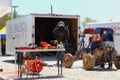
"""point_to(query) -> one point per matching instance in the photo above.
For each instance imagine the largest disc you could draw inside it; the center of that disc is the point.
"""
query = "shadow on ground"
(1, 78)
(9, 61)
(44, 58)
(42, 77)
(101, 70)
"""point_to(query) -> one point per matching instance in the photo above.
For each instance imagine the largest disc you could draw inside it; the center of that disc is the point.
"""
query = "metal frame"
(21, 52)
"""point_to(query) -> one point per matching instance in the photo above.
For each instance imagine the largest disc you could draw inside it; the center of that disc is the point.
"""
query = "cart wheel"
(117, 61)
(88, 61)
(68, 60)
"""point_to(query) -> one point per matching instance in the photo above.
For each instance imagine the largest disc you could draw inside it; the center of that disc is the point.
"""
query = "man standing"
(107, 55)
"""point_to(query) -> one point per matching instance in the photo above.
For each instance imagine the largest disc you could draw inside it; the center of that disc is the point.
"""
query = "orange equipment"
(34, 65)
(96, 37)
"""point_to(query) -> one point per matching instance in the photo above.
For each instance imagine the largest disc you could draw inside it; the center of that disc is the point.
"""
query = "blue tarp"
(2, 35)
(98, 31)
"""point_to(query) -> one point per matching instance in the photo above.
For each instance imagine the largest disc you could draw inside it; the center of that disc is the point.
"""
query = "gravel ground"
(50, 73)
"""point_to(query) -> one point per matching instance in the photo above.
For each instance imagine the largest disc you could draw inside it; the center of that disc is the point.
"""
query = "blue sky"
(100, 10)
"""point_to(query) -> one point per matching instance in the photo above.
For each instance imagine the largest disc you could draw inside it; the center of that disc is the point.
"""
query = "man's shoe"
(103, 67)
(109, 68)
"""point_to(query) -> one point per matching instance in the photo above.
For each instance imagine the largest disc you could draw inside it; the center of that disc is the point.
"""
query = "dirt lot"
(50, 73)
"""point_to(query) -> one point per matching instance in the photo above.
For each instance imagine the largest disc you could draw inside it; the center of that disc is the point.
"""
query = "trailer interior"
(44, 31)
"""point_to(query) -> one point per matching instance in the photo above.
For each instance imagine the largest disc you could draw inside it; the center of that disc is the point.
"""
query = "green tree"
(86, 20)
(4, 19)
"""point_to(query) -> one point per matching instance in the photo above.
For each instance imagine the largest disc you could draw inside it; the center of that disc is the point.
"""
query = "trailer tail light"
(78, 35)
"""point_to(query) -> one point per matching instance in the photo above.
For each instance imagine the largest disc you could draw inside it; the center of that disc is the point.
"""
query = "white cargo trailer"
(30, 29)
(115, 25)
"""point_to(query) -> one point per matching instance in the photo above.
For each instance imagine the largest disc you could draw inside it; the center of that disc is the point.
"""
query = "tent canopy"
(3, 32)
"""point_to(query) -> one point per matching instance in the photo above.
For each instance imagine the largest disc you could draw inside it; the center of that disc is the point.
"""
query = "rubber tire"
(68, 60)
(117, 61)
(88, 61)
(117, 66)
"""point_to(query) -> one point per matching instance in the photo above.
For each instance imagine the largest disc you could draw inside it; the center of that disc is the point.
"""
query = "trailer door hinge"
(33, 26)
(32, 35)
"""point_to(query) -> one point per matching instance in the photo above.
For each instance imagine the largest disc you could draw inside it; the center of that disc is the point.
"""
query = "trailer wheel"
(88, 61)
(68, 60)
(117, 61)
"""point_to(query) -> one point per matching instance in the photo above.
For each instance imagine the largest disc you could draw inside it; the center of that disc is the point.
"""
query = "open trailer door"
(44, 29)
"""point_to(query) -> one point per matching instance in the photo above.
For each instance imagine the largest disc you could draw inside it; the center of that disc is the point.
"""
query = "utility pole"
(51, 9)
(15, 13)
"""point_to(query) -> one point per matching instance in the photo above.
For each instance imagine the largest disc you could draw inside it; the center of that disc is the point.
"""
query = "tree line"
(4, 19)
(7, 17)
(86, 20)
